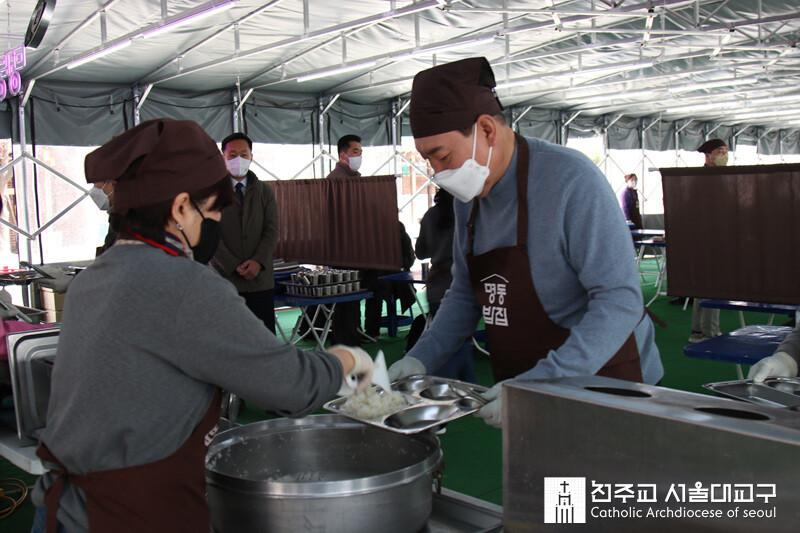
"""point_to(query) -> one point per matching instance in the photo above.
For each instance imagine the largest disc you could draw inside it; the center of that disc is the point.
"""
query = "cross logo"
(564, 500)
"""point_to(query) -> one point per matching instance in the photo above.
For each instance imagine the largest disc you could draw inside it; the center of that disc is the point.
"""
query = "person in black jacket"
(384, 290)
(436, 241)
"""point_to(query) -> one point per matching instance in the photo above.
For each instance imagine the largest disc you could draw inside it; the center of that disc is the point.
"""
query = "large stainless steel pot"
(319, 473)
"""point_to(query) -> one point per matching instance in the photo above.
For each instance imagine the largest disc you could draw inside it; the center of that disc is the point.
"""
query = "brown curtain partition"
(348, 222)
(732, 232)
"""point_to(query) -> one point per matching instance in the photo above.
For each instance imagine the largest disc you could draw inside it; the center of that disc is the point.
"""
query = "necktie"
(240, 192)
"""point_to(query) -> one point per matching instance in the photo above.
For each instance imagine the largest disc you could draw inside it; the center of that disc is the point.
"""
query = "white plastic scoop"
(380, 376)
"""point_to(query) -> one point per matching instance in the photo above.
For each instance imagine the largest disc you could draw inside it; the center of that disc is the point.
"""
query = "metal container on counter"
(676, 452)
(320, 473)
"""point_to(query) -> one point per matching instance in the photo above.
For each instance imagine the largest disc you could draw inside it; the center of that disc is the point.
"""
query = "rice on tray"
(373, 405)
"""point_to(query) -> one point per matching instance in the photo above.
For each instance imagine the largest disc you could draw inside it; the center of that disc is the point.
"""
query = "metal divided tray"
(774, 392)
(431, 402)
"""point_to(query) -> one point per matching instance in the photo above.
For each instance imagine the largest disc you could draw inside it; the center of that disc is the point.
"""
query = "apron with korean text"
(165, 495)
(520, 333)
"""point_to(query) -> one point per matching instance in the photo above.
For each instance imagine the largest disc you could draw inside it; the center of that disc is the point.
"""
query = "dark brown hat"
(711, 145)
(176, 156)
(452, 96)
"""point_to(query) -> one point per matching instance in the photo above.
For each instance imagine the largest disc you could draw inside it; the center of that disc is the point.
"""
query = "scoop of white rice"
(373, 405)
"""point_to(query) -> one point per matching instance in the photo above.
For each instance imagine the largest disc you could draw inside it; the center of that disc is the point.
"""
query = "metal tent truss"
(721, 63)
(631, 57)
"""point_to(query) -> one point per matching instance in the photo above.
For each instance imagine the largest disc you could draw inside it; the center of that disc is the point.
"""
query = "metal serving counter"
(456, 512)
(623, 456)
(23, 457)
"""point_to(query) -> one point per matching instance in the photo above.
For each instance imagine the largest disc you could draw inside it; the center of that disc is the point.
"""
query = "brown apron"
(165, 495)
(519, 331)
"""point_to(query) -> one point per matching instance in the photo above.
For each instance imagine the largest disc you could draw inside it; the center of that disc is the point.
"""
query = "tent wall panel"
(624, 134)
(77, 114)
(88, 114)
(542, 123)
(729, 232)
(370, 122)
(691, 137)
(660, 137)
(349, 222)
(790, 144)
(769, 143)
(279, 118)
(583, 127)
(749, 136)
(213, 111)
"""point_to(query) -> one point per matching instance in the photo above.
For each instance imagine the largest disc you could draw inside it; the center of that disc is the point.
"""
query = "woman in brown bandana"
(149, 338)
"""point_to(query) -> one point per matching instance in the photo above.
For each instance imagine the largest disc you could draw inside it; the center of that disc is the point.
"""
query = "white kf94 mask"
(238, 166)
(354, 163)
(467, 181)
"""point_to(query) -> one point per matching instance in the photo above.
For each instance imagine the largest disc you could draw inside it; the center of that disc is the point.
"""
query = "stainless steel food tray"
(774, 392)
(30, 358)
(322, 291)
(431, 402)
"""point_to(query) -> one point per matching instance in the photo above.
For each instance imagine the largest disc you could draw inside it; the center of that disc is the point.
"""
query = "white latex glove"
(492, 412)
(407, 366)
(60, 280)
(360, 378)
(778, 365)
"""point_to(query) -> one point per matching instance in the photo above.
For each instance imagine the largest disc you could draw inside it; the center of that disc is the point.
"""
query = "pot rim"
(329, 489)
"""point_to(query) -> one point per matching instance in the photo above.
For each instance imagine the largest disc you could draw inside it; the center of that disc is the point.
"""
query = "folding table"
(325, 305)
(744, 346)
(661, 262)
(735, 305)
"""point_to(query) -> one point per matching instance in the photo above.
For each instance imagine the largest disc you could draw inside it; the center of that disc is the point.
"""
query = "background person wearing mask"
(629, 199)
(249, 229)
(347, 317)
(541, 249)
(102, 194)
(716, 153)
(705, 322)
(150, 336)
(349, 148)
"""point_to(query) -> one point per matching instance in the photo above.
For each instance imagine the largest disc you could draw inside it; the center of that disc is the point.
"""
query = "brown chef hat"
(711, 145)
(176, 156)
(452, 96)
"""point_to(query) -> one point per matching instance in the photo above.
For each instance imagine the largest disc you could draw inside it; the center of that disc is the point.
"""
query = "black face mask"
(206, 247)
